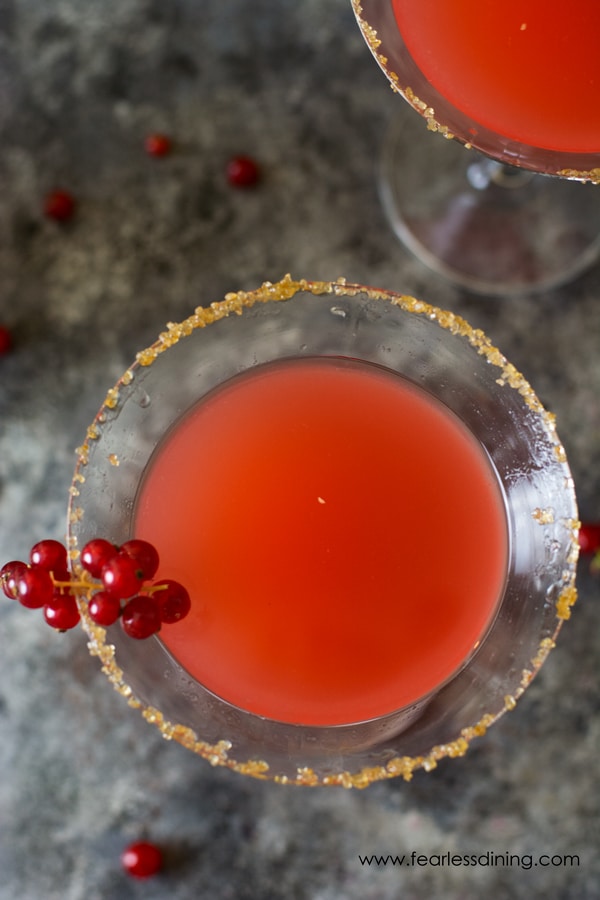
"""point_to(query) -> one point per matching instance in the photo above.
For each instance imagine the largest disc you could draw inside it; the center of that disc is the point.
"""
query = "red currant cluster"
(127, 592)
(44, 583)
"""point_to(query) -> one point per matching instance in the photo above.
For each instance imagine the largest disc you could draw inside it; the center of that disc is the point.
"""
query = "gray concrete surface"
(293, 85)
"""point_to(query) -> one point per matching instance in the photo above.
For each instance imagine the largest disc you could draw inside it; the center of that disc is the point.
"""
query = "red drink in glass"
(525, 69)
(342, 534)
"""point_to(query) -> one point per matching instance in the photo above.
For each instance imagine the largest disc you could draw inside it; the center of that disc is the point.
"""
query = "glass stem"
(484, 172)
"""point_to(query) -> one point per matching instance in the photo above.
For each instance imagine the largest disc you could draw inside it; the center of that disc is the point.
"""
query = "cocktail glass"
(484, 219)
(436, 352)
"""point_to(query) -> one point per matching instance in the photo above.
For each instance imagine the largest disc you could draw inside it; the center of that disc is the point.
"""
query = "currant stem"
(80, 583)
(153, 588)
(89, 584)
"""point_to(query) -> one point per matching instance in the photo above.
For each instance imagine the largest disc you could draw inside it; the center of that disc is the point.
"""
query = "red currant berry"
(104, 608)
(173, 601)
(589, 537)
(5, 340)
(158, 145)
(95, 555)
(49, 555)
(242, 171)
(62, 612)
(59, 205)
(9, 576)
(141, 617)
(144, 554)
(34, 588)
(142, 859)
(121, 576)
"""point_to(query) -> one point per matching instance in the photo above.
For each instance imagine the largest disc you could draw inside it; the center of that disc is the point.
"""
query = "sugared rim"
(374, 44)
(219, 753)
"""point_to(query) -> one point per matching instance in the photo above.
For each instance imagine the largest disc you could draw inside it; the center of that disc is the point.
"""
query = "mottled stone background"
(293, 85)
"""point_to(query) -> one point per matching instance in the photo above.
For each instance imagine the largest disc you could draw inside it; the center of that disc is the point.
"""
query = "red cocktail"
(528, 70)
(367, 504)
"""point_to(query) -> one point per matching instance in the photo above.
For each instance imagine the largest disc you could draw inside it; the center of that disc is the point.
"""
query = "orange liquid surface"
(526, 69)
(342, 535)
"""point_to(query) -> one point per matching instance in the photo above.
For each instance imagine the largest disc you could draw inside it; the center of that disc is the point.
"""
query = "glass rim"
(234, 304)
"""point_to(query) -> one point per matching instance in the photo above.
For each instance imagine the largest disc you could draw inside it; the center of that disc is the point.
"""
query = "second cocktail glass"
(518, 84)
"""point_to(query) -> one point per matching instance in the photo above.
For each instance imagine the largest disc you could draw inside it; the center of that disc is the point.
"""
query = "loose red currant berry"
(173, 601)
(62, 612)
(144, 554)
(35, 588)
(141, 617)
(589, 537)
(59, 205)
(5, 340)
(104, 608)
(242, 171)
(158, 145)
(96, 554)
(49, 555)
(142, 859)
(9, 576)
(121, 576)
